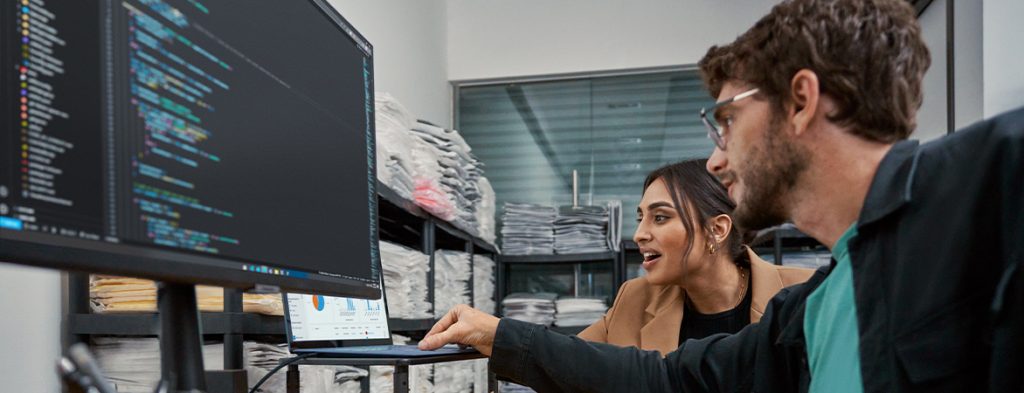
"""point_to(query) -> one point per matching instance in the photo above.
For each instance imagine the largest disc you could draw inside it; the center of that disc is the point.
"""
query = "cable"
(279, 366)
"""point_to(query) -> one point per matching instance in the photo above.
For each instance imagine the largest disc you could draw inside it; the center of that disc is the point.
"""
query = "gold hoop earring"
(711, 249)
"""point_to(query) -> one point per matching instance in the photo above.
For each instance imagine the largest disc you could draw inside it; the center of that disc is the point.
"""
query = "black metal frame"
(782, 238)
(400, 377)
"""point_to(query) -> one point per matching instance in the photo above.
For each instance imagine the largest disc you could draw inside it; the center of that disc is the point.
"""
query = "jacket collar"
(765, 282)
(891, 186)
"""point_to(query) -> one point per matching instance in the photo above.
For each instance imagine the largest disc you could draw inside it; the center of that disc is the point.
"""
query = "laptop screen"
(328, 318)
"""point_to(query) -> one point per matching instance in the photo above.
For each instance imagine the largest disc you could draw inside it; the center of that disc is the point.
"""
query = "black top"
(696, 325)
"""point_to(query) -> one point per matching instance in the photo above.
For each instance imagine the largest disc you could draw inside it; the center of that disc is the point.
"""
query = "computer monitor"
(224, 142)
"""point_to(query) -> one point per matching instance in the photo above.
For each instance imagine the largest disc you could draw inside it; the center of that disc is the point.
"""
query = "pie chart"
(318, 302)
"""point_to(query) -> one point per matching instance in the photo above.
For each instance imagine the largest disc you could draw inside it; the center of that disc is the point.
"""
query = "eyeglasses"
(717, 131)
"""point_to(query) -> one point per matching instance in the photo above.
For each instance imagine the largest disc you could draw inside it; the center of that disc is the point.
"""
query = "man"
(925, 291)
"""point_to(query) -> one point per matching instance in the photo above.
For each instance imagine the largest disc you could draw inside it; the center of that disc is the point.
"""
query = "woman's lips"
(648, 263)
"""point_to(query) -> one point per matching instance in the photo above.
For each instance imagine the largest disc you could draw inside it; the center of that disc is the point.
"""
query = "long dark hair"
(696, 191)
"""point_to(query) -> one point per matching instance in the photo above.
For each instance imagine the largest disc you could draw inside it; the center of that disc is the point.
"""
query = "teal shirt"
(830, 327)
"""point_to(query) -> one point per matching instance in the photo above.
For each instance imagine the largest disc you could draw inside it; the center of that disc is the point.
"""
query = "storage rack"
(503, 264)
(401, 222)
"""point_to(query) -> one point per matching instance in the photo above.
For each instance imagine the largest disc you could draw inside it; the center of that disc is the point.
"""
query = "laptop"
(348, 328)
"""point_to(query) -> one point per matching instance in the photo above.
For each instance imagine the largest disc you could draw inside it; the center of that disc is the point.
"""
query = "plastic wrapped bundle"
(260, 358)
(527, 229)
(485, 212)
(429, 195)
(420, 376)
(394, 144)
(451, 280)
(536, 308)
(480, 375)
(456, 171)
(454, 377)
(132, 364)
(579, 311)
(483, 283)
(405, 280)
(581, 229)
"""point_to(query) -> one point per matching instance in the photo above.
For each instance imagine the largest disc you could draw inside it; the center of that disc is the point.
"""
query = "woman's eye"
(660, 218)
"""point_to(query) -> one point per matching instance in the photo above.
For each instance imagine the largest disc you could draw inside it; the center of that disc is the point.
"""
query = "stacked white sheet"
(394, 167)
(451, 280)
(433, 167)
(260, 358)
(405, 280)
(483, 283)
(536, 308)
(456, 178)
(133, 364)
(581, 229)
(485, 212)
(454, 377)
(420, 376)
(579, 311)
(527, 229)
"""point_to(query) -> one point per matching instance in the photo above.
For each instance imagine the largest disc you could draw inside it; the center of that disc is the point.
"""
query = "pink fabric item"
(431, 198)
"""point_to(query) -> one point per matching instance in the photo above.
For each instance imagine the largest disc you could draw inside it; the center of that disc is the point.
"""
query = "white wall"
(931, 118)
(410, 55)
(488, 39)
(989, 53)
(967, 51)
(30, 338)
(1003, 55)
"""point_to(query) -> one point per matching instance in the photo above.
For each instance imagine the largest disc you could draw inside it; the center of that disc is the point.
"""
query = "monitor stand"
(181, 338)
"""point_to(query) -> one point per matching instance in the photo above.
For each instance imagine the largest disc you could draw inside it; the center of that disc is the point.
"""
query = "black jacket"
(938, 275)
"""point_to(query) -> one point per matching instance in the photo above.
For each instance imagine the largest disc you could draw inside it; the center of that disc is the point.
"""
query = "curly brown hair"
(868, 55)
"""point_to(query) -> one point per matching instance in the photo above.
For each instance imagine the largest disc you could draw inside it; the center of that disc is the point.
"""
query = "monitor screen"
(328, 318)
(228, 142)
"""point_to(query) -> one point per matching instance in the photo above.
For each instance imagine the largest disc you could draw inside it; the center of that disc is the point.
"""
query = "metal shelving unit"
(504, 263)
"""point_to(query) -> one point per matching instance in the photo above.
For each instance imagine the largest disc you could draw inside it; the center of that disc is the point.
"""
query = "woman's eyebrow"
(656, 205)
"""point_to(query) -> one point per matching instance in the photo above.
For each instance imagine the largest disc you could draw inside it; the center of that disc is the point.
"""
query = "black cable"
(280, 366)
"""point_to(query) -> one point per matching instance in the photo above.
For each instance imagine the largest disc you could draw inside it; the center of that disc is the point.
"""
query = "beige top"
(649, 316)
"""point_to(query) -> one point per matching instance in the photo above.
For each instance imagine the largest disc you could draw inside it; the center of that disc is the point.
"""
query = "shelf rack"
(504, 263)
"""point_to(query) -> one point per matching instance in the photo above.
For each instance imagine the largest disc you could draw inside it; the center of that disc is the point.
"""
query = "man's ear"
(804, 96)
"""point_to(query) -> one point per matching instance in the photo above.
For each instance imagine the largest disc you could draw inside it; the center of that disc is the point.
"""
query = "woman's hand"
(463, 325)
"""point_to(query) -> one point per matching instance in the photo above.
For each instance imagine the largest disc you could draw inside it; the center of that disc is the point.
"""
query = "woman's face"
(663, 239)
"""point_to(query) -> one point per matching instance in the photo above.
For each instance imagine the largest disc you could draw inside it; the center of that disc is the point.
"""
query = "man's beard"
(769, 173)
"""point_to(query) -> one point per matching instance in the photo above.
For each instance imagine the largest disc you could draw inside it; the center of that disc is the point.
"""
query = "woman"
(701, 279)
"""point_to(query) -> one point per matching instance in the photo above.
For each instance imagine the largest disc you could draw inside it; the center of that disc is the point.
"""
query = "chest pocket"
(944, 344)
